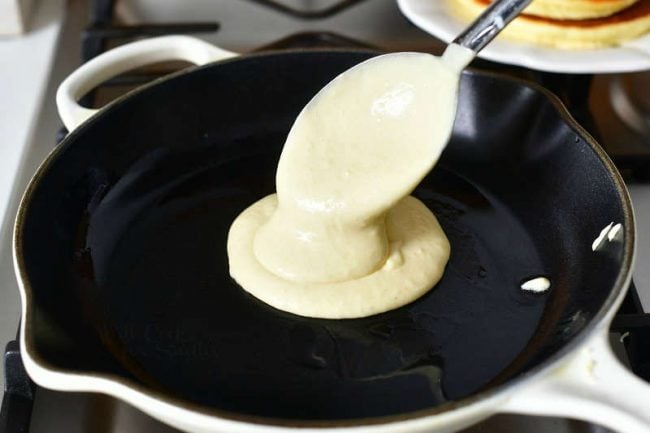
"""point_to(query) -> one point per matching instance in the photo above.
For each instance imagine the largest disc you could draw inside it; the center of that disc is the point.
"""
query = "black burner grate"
(18, 398)
(306, 12)
(102, 28)
(307, 40)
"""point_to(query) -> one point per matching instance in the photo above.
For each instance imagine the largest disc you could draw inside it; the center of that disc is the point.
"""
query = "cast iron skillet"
(121, 247)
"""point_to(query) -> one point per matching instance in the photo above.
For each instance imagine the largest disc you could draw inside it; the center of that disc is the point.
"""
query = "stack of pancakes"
(573, 24)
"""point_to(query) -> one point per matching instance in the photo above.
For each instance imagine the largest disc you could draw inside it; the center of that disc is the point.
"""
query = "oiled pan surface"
(124, 242)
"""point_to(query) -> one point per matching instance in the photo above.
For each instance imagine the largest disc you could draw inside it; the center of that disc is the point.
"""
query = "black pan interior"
(124, 236)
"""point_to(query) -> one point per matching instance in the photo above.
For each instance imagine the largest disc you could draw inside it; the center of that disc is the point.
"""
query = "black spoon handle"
(490, 23)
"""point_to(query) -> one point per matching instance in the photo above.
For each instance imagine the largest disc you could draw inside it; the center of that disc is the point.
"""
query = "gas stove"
(611, 107)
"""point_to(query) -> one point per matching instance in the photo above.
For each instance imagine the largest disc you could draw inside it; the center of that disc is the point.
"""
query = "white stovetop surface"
(34, 64)
(27, 61)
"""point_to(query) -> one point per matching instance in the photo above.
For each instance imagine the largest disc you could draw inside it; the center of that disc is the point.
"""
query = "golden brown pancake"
(629, 23)
(577, 9)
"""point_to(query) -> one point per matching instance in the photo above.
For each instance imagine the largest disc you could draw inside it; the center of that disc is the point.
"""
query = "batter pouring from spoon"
(342, 237)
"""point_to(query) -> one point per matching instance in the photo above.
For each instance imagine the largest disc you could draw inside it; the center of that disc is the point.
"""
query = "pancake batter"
(342, 238)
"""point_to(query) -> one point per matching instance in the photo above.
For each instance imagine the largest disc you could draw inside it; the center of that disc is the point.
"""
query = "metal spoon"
(490, 23)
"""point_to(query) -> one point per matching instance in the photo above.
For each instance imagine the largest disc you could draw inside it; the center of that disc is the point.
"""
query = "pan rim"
(99, 382)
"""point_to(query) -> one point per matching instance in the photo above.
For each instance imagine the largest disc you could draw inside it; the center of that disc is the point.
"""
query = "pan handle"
(125, 58)
(592, 386)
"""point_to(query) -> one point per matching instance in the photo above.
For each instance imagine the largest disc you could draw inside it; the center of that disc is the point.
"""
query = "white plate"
(435, 17)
